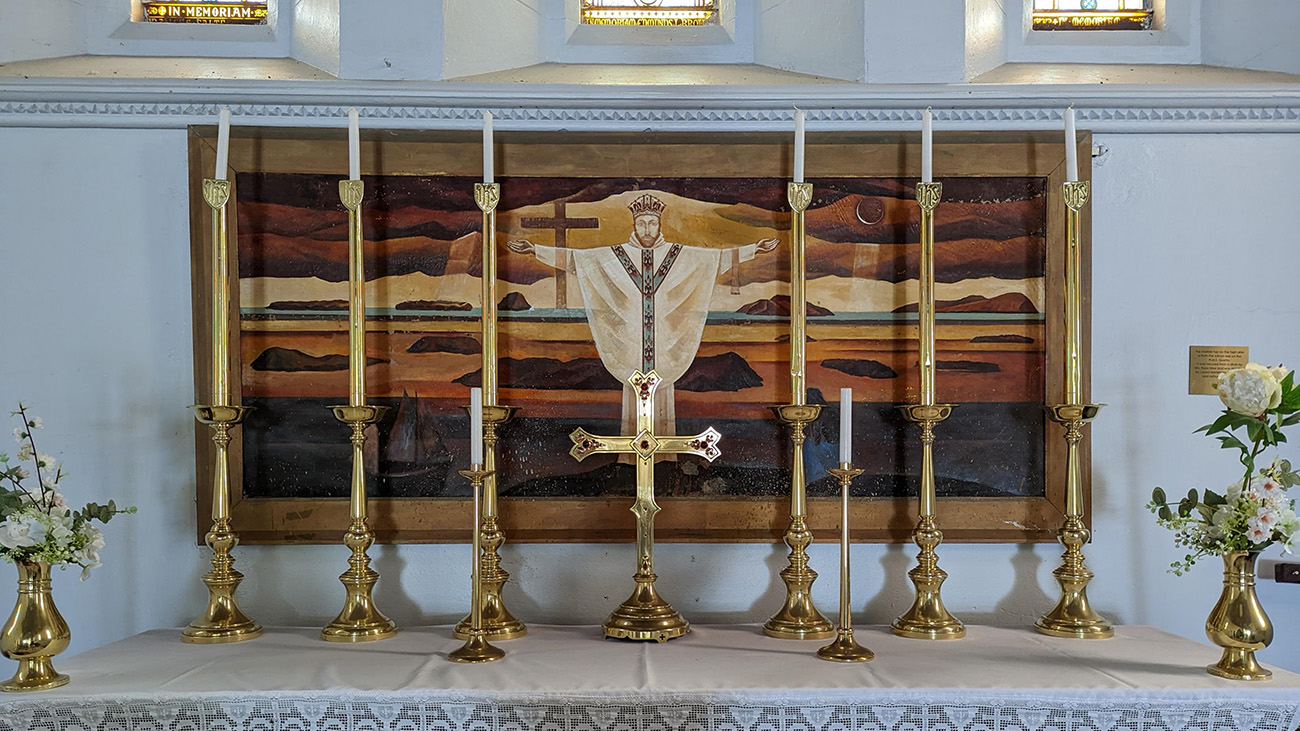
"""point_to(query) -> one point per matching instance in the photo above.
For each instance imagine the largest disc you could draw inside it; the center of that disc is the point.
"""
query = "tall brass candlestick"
(498, 623)
(476, 648)
(1073, 616)
(222, 620)
(798, 618)
(359, 620)
(927, 618)
(844, 648)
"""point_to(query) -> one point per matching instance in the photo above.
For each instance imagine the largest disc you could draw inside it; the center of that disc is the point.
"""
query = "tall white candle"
(476, 427)
(798, 145)
(927, 147)
(1071, 153)
(354, 145)
(846, 425)
(488, 176)
(223, 143)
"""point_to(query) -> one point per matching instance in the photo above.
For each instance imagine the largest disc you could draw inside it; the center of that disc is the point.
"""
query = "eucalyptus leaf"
(1158, 496)
(1165, 513)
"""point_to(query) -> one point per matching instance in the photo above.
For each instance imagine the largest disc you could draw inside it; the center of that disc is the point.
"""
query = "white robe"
(617, 307)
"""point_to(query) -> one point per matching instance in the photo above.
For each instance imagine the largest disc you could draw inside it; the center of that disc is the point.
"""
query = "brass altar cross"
(645, 616)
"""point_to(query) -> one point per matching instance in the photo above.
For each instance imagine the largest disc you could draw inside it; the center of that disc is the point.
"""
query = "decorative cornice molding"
(154, 105)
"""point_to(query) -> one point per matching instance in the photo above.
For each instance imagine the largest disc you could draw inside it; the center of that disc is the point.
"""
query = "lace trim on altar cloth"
(352, 711)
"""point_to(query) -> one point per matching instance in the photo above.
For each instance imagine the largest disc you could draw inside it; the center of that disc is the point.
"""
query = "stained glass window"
(1092, 14)
(649, 12)
(237, 12)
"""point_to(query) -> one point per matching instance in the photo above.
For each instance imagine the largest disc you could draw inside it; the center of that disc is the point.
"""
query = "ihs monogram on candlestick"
(927, 618)
(222, 620)
(1073, 616)
(497, 621)
(359, 620)
(645, 615)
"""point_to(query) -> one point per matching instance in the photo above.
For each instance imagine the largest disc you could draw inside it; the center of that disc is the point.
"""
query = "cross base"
(645, 615)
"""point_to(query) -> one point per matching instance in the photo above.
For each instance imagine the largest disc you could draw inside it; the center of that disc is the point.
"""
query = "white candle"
(223, 143)
(488, 176)
(798, 145)
(1071, 153)
(846, 425)
(927, 144)
(476, 427)
(354, 145)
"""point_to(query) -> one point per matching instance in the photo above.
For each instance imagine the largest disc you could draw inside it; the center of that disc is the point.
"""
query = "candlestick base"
(845, 649)
(1073, 616)
(476, 650)
(222, 621)
(798, 618)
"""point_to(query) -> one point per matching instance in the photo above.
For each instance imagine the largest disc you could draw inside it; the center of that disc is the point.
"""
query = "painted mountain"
(423, 265)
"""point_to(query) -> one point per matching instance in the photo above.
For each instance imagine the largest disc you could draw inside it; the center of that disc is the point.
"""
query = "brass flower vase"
(35, 632)
(1238, 623)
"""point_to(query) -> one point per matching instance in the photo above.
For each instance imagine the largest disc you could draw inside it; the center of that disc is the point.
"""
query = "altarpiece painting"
(572, 318)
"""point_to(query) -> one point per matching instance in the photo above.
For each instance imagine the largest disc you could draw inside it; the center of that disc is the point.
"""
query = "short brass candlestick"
(359, 620)
(798, 618)
(476, 648)
(927, 618)
(1073, 616)
(844, 648)
(498, 622)
(222, 620)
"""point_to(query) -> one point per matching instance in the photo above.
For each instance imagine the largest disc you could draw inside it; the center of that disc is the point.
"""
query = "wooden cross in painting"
(560, 224)
(645, 616)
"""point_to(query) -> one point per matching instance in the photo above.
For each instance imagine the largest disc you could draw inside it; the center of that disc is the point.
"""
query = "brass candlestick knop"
(844, 648)
(798, 618)
(222, 620)
(476, 648)
(928, 619)
(498, 623)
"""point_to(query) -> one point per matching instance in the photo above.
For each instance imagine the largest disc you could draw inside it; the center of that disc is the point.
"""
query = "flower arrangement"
(37, 523)
(1255, 511)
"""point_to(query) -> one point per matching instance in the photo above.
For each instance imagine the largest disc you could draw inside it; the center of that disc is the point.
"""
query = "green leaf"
(1230, 441)
(1291, 420)
(1158, 496)
(1165, 513)
(1214, 499)
(1185, 507)
(1191, 495)
(1255, 430)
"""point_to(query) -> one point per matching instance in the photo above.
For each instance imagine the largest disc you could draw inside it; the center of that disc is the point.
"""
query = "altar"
(718, 678)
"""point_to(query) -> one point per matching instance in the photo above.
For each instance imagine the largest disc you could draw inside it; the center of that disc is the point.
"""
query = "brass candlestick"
(359, 620)
(222, 620)
(844, 648)
(645, 615)
(498, 623)
(476, 648)
(1073, 616)
(927, 618)
(798, 618)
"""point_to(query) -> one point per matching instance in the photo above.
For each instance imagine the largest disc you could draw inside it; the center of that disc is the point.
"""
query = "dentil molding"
(1108, 109)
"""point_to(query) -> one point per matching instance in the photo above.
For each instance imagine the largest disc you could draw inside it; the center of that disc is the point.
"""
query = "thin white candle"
(476, 427)
(488, 176)
(846, 425)
(798, 145)
(1071, 154)
(223, 143)
(354, 145)
(927, 147)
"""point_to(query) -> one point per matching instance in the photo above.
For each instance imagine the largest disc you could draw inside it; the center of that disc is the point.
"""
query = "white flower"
(21, 532)
(46, 462)
(1266, 517)
(1219, 522)
(21, 473)
(88, 556)
(1280, 372)
(25, 452)
(36, 423)
(20, 436)
(1257, 533)
(1266, 488)
(1252, 390)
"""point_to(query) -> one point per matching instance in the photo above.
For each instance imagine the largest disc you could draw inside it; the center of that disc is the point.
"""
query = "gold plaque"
(1206, 362)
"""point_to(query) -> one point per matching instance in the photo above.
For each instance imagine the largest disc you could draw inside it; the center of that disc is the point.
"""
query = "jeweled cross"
(644, 616)
(560, 223)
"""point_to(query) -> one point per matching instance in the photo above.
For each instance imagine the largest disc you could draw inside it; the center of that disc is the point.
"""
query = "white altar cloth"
(718, 678)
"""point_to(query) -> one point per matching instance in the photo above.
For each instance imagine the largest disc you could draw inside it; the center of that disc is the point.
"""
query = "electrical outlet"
(1286, 573)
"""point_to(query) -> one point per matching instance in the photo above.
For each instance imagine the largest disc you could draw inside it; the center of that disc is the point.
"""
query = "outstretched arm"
(548, 255)
(734, 256)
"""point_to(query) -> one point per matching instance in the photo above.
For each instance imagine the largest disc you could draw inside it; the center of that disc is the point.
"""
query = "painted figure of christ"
(647, 300)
